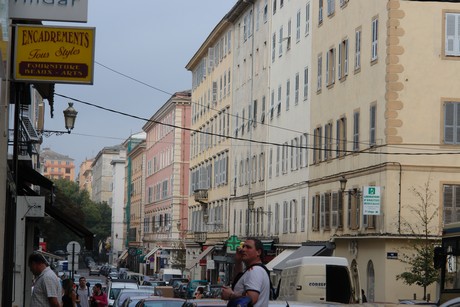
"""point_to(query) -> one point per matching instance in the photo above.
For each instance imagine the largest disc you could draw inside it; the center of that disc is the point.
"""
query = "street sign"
(70, 247)
(232, 244)
(371, 200)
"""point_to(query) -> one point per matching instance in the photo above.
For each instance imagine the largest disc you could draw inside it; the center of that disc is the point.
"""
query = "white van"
(115, 286)
(167, 274)
(320, 279)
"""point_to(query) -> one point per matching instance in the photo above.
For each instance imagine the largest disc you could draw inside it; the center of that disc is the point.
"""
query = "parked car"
(94, 270)
(214, 291)
(180, 291)
(115, 286)
(205, 303)
(125, 293)
(154, 283)
(193, 285)
(156, 301)
(132, 301)
(175, 282)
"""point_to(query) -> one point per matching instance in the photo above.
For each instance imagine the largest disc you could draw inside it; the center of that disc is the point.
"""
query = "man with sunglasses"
(47, 287)
(254, 283)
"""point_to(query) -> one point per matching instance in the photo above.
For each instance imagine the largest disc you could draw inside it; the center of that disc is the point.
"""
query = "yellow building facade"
(383, 115)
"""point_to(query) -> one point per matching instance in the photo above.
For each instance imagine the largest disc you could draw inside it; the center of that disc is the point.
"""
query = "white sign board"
(371, 200)
(73, 246)
(210, 265)
(73, 267)
(54, 10)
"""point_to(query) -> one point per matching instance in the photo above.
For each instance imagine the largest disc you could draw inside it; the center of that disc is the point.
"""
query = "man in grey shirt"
(254, 282)
(47, 286)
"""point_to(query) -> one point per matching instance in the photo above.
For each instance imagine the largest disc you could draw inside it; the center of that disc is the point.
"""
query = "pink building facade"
(167, 184)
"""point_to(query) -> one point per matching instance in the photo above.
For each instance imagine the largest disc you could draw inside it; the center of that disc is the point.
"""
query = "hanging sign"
(54, 54)
(371, 200)
(56, 10)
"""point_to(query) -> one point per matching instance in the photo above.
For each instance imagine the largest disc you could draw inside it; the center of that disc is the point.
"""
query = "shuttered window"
(452, 123)
(375, 30)
(451, 203)
(452, 31)
(356, 131)
(315, 212)
(372, 127)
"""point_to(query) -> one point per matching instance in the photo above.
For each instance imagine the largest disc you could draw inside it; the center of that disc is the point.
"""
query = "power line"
(372, 150)
(247, 121)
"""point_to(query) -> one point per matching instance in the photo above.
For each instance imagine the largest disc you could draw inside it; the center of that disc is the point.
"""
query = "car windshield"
(114, 293)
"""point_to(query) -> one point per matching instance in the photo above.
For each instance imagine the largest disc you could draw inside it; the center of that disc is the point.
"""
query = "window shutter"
(313, 213)
(322, 212)
(335, 210)
(327, 68)
(449, 115)
(448, 200)
(452, 47)
(345, 69)
(339, 66)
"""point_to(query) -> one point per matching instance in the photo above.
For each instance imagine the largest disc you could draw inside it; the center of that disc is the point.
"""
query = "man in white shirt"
(47, 286)
(254, 282)
(82, 293)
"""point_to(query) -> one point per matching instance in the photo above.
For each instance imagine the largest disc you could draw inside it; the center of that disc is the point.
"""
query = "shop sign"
(54, 54)
(55, 10)
(210, 265)
(371, 200)
(232, 244)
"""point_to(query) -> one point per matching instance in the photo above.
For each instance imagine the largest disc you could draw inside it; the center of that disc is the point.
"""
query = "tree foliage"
(76, 204)
(424, 233)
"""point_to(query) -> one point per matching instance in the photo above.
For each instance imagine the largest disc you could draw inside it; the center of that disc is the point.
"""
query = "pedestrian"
(253, 283)
(83, 294)
(69, 298)
(47, 287)
(99, 298)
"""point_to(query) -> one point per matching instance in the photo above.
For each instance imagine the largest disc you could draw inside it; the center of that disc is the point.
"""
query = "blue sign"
(65, 266)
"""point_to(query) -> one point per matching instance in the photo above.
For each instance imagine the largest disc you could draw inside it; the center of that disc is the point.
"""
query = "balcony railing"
(200, 236)
(201, 195)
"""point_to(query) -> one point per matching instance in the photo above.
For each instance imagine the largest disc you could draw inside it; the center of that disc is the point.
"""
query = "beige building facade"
(212, 71)
(383, 115)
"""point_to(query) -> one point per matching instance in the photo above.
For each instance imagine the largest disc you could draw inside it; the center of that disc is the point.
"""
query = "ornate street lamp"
(343, 183)
(70, 115)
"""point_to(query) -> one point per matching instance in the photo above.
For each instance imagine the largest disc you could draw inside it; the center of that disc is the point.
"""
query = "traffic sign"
(73, 246)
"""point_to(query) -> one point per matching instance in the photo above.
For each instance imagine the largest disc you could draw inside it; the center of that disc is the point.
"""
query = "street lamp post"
(70, 115)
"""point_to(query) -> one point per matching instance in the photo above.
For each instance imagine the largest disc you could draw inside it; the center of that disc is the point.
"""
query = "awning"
(149, 254)
(28, 175)
(71, 224)
(283, 255)
(123, 255)
(303, 251)
(201, 256)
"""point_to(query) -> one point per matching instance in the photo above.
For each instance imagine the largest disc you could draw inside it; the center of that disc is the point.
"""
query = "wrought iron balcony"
(200, 236)
(201, 195)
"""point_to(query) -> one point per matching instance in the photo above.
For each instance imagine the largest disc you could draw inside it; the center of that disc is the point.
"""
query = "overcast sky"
(149, 40)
